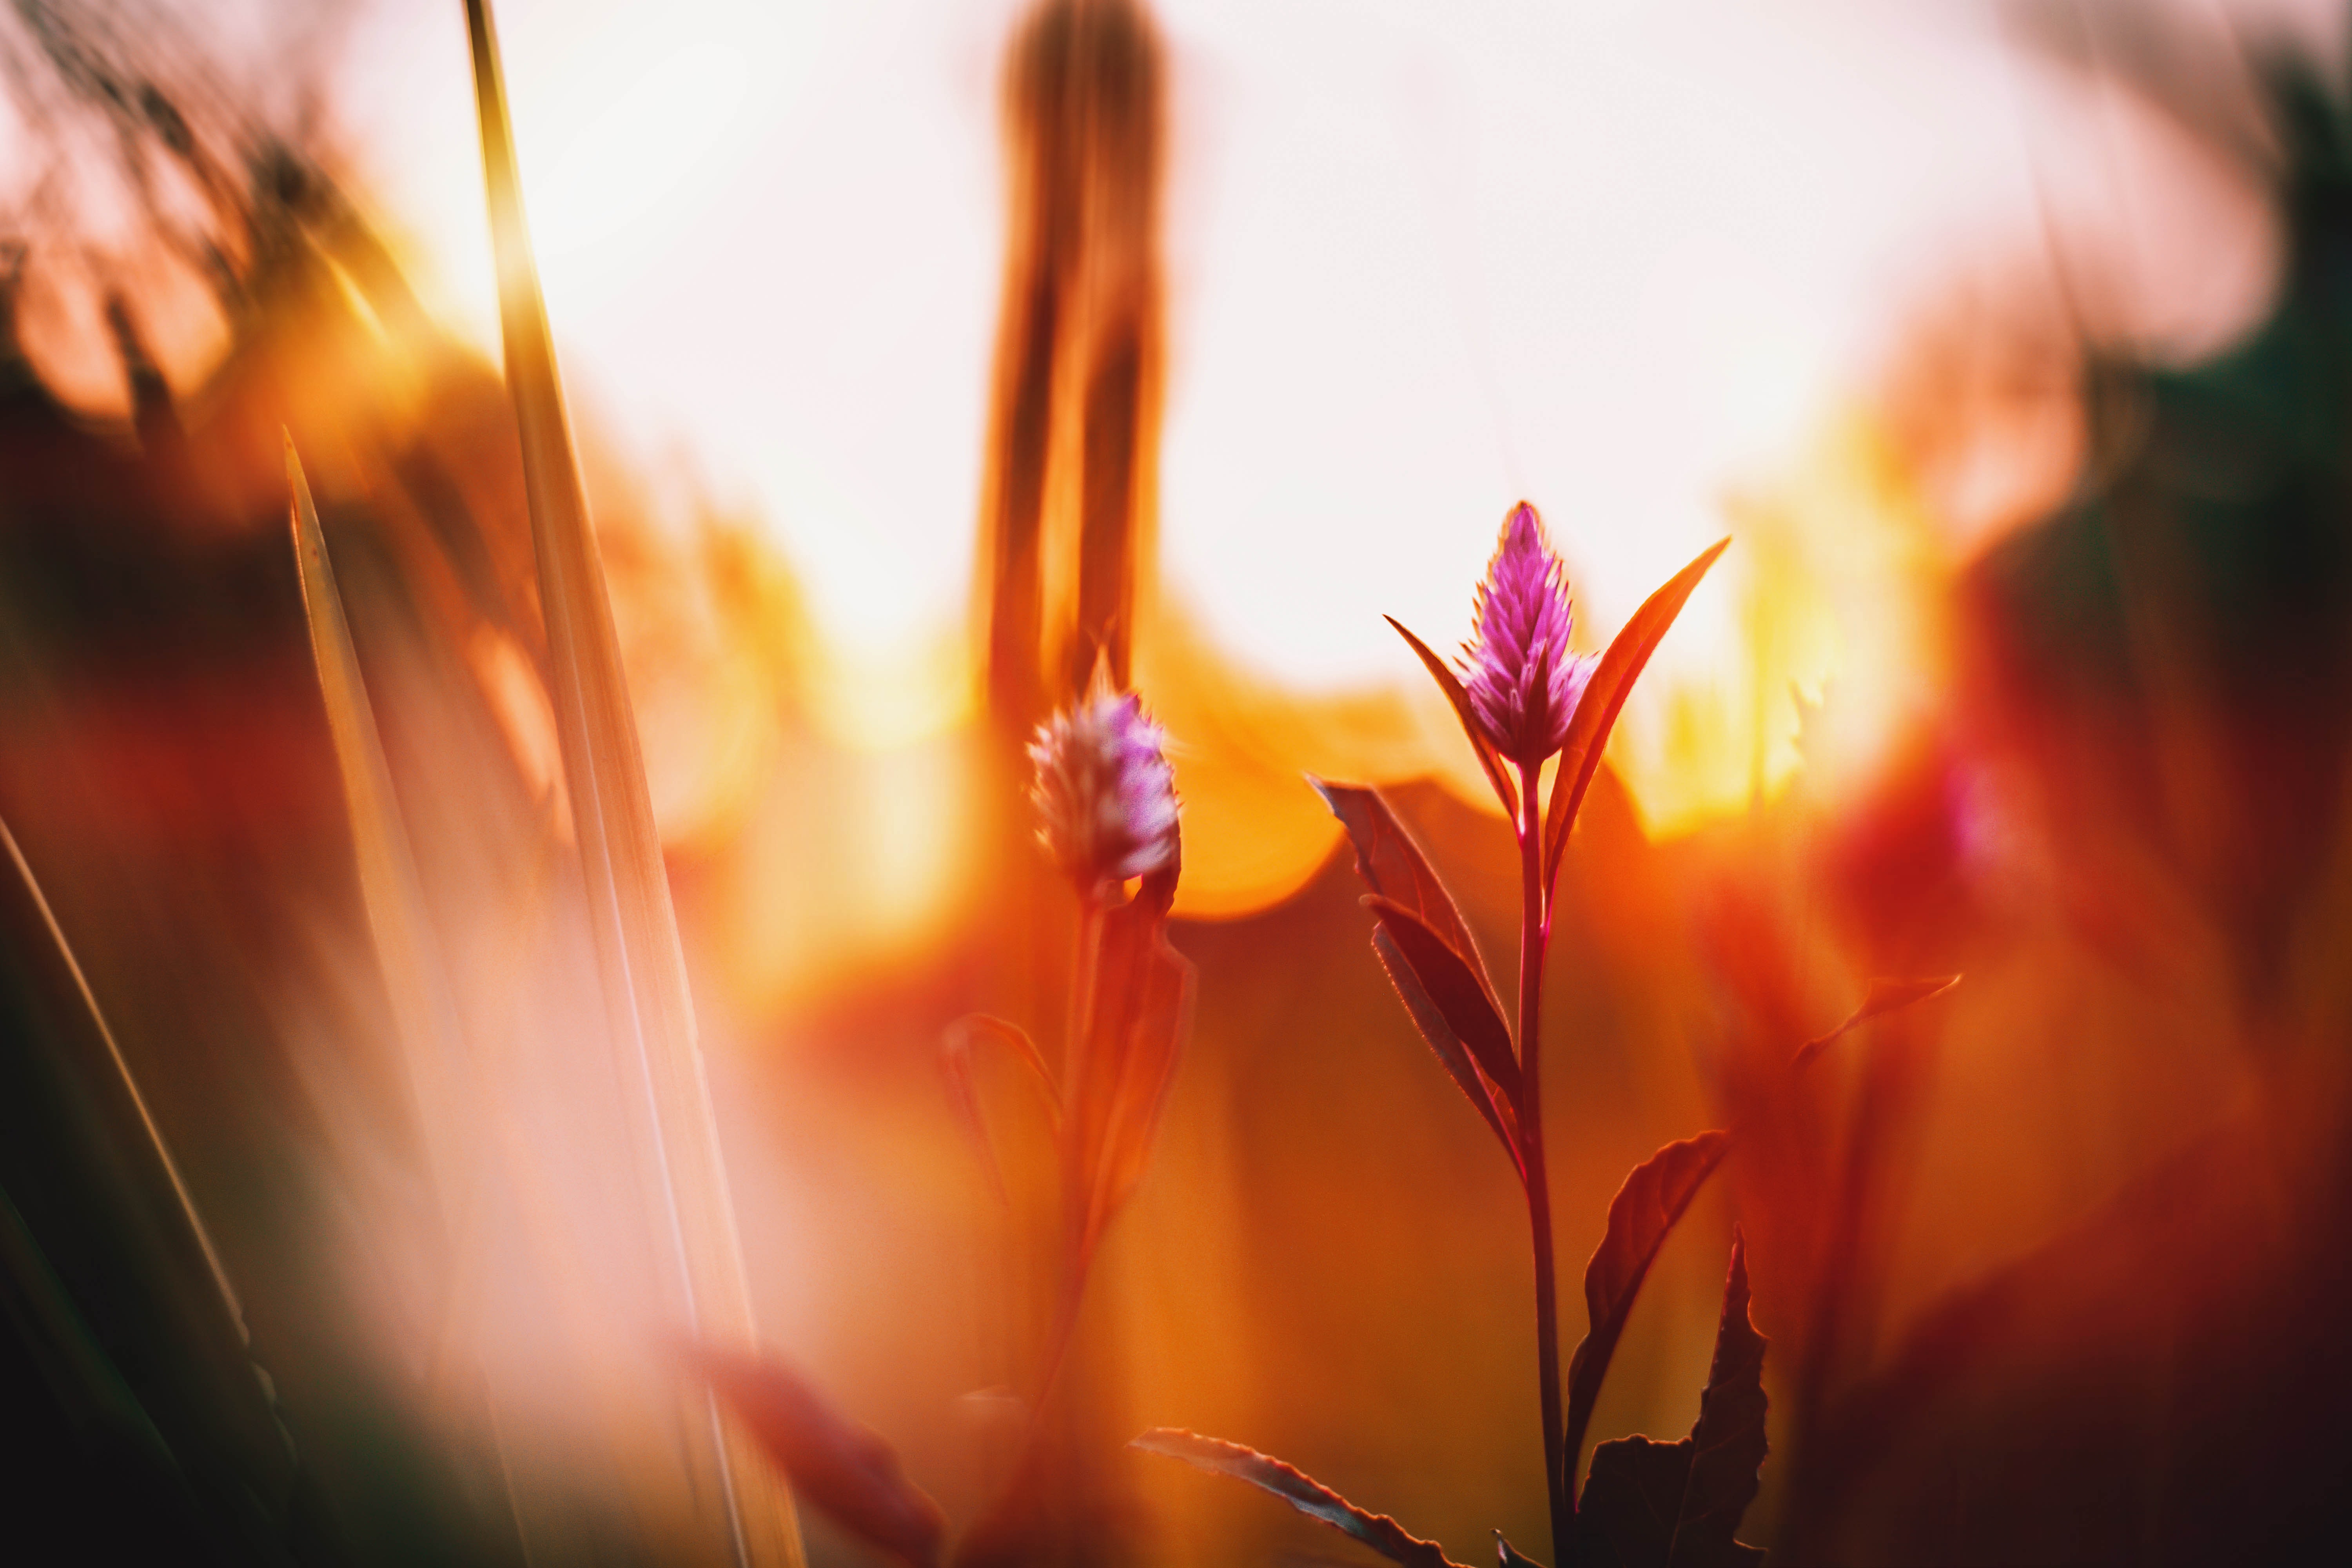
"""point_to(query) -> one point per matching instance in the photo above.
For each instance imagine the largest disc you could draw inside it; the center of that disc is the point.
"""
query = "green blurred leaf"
(108, 1276)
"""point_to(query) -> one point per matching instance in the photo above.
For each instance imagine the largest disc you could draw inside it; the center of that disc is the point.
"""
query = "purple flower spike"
(1523, 621)
(1105, 797)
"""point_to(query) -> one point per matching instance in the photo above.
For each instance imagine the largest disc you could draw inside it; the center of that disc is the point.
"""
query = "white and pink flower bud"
(1105, 795)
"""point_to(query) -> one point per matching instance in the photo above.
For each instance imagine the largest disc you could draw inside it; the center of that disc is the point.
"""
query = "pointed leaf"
(1467, 1006)
(1604, 699)
(1489, 759)
(110, 1289)
(963, 1094)
(1729, 1440)
(1632, 1502)
(1393, 866)
(1883, 996)
(416, 980)
(1301, 1491)
(1678, 1505)
(1143, 999)
(1655, 1196)
(834, 1462)
(1510, 1556)
(1451, 1052)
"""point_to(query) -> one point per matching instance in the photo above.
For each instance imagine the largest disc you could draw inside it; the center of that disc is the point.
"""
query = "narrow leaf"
(110, 1290)
(1393, 866)
(1729, 1440)
(1451, 684)
(1301, 1491)
(424, 1011)
(1655, 1196)
(838, 1465)
(1451, 1052)
(956, 1045)
(1467, 1006)
(1604, 699)
(1143, 999)
(640, 964)
(1883, 996)
(1510, 1556)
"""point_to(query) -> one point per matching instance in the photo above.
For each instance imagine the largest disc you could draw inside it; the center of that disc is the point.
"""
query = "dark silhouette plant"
(1524, 698)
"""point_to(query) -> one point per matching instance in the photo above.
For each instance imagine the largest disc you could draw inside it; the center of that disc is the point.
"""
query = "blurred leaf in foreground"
(836, 1465)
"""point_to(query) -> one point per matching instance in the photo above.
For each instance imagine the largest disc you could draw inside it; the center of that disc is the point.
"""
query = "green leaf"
(1301, 1491)
(1490, 760)
(1393, 866)
(1451, 1052)
(1655, 1196)
(1604, 699)
(1467, 1007)
(1882, 997)
(110, 1282)
(1677, 1505)
(836, 1465)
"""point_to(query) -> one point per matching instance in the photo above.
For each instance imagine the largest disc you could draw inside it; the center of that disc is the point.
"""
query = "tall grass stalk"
(641, 966)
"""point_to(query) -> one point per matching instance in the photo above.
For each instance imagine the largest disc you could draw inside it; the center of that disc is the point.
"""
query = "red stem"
(1535, 933)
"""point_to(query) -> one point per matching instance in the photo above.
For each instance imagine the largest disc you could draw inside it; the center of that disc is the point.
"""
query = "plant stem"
(1085, 974)
(1535, 932)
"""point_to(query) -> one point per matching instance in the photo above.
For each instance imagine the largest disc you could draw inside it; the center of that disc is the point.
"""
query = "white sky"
(1427, 258)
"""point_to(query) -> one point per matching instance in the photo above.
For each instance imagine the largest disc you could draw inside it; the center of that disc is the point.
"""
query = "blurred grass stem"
(640, 963)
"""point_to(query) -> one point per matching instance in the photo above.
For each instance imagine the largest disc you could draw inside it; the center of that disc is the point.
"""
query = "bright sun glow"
(1630, 262)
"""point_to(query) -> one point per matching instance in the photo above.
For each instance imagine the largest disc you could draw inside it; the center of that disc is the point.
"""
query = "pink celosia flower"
(1105, 797)
(1523, 621)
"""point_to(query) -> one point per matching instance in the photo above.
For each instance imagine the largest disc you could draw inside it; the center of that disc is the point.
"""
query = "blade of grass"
(109, 1278)
(416, 980)
(425, 1015)
(642, 969)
